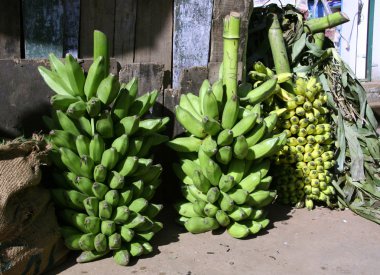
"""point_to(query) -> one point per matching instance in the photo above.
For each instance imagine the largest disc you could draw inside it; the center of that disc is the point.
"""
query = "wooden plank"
(192, 24)
(171, 99)
(71, 18)
(153, 37)
(191, 79)
(95, 15)
(10, 29)
(124, 41)
(221, 9)
(43, 28)
(213, 71)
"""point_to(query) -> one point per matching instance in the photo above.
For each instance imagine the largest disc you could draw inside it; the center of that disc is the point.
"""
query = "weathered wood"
(191, 79)
(10, 29)
(43, 28)
(150, 77)
(153, 37)
(124, 41)
(71, 13)
(95, 15)
(192, 24)
(221, 9)
(171, 99)
(24, 96)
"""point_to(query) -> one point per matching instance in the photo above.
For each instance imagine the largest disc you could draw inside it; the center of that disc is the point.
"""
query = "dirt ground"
(296, 242)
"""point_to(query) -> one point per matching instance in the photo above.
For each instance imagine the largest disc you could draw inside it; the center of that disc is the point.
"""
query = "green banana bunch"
(224, 159)
(102, 136)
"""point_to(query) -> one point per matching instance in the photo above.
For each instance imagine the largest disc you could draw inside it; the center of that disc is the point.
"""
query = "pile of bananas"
(224, 162)
(105, 174)
(302, 175)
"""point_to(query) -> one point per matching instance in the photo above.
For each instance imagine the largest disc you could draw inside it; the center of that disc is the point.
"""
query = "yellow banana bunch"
(224, 158)
(102, 140)
(305, 162)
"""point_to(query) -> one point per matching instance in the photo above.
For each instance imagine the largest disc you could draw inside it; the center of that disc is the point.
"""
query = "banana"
(135, 220)
(85, 126)
(250, 182)
(262, 149)
(91, 204)
(238, 230)
(197, 225)
(121, 257)
(99, 190)
(210, 210)
(58, 67)
(108, 89)
(222, 218)
(82, 144)
(95, 75)
(83, 185)
(132, 87)
(141, 105)
(262, 92)
(239, 196)
(194, 100)
(55, 82)
(72, 241)
(186, 209)
(190, 123)
(135, 249)
(89, 256)
(256, 134)
(200, 181)
(225, 137)
(202, 90)
(224, 155)
(185, 144)
(148, 126)
(210, 105)
(112, 197)
(236, 169)
(240, 147)
(244, 125)
(135, 145)
(230, 112)
(67, 124)
(261, 198)
(125, 197)
(209, 146)
(209, 168)
(121, 144)
(69, 198)
(110, 157)
(198, 207)
(238, 214)
(138, 205)
(75, 75)
(122, 103)
(226, 183)
(218, 91)
(128, 125)
(104, 126)
(71, 161)
(210, 125)
(62, 102)
(107, 227)
(74, 218)
(212, 194)
(186, 104)
(114, 241)
(270, 122)
(93, 106)
(128, 166)
(226, 202)
(105, 210)
(152, 210)
(96, 148)
(62, 139)
(86, 242)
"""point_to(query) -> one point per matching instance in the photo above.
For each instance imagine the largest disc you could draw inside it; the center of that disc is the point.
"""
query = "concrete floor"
(296, 242)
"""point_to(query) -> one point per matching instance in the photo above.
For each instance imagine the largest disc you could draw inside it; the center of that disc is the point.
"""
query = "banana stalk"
(332, 20)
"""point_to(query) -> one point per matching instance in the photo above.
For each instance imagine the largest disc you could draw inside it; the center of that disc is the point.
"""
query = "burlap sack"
(30, 241)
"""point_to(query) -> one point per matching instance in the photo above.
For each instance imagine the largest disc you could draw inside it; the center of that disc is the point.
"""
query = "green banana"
(132, 87)
(202, 91)
(99, 190)
(110, 157)
(141, 105)
(83, 185)
(121, 257)
(222, 218)
(199, 225)
(69, 198)
(114, 241)
(226, 183)
(86, 242)
(212, 194)
(238, 230)
(262, 92)
(239, 196)
(270, 122)
(250, 182)
(238, 214)
(76, 109)
(71, 161)
(210, 210)
(236, 169)
(91, 204)
(135, 249)
(55, 82)
(257, 133)
(116, 180)
(244, 125)
(210, 105)
(100, 242)
(108, 89)
(128, 166)
(95, 75)
(121, 144)
(200, 181)
(121, 215)
(218, 90)
(261, 198)
(198, 207)
(240, 147)
(122, 103)
(96, 148)
(230, 112)
(100, 173)
(112, 197)
(262, 149)
(58, 67)
(89, 256)
(67, 124)
(105, 210)
(84, 125)
(226, 202)
(74, 75)
(152, 210)
(93, 106)
(189, 122)
(126, 233)
(209, 146)
(128, 125)
(108, 227)
(72, 241)
(186, 104)
(125, 197)
(211, 126)
(104, 126)
(62, 138)
(225, 137)
(209, 168)
(62, 102)
(138, 205)
(185, 209)
(82, 144)
(224, 155)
